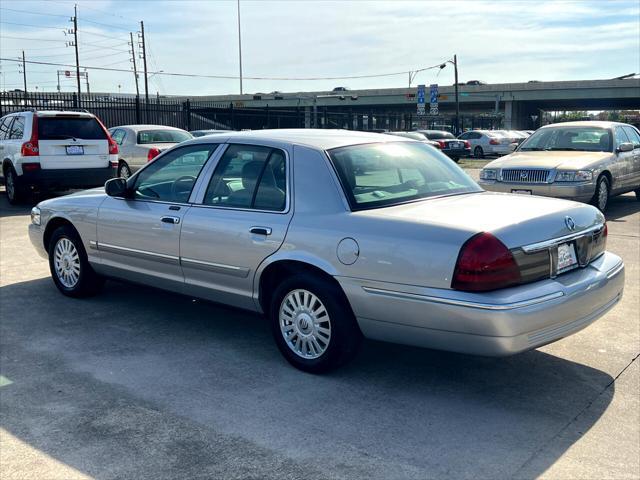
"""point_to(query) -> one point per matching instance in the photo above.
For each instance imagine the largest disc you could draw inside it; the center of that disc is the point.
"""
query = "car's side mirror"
(116, 187)
(513, 147)
(625, 147)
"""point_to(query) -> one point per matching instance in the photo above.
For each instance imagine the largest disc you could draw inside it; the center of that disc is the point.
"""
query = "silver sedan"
(336, 235)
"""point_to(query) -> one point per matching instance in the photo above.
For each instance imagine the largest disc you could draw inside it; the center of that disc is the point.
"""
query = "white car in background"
(54, 150)
(487, 143)
(140, 144)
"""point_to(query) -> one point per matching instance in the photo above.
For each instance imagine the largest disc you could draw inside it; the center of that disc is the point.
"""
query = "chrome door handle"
(260, 230)
(172, 220)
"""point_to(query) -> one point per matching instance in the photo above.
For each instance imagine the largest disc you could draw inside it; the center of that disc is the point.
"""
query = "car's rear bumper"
(498, 323)
(457, 152)
(51, 179)
(574, 191)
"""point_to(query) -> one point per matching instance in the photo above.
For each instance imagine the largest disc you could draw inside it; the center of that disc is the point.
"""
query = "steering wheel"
(175, 185)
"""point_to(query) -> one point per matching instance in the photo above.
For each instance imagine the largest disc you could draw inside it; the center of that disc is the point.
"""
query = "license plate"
(75, 150)
(522, 192)
(457, 145)
(566, 257)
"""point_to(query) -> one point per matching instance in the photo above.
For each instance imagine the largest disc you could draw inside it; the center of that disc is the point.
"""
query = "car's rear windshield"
(436, 135)
(61, 128)
(584, 139)
(382, 174)
(162, 136)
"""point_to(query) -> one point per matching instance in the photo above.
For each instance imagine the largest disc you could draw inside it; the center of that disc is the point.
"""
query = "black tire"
(88, 281)
(600, 198)
(478, 152)
(455, 159)
(13, 186)
(345, 336)
(124, 169)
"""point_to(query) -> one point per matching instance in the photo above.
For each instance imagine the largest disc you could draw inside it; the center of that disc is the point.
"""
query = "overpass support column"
(307, 117)
(508, 115)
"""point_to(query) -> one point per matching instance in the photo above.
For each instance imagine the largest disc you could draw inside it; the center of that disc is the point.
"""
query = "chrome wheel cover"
(603, 195)
(305, 324)
(67, 263)
(124, 172)
(10, 185)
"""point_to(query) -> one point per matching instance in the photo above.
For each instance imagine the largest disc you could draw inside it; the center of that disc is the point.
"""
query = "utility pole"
(240, 47)
(75, 44)
(24, 76)
(455, 67)
(144, 64)
(133, 59)
(86, 77)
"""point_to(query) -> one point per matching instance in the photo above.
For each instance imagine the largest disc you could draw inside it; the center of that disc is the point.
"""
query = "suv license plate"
(75, 150)
(566, 257)
(521, 192)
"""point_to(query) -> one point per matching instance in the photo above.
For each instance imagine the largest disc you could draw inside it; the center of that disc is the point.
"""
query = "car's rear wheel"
(312, 324)
(601, 196)
(478, 152)
(13, 186)
(69, 265)
(123, 170)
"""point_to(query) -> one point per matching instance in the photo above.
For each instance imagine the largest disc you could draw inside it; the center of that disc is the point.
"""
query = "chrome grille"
(525, 175)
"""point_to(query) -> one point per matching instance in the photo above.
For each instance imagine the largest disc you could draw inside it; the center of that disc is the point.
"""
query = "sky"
(496, 41)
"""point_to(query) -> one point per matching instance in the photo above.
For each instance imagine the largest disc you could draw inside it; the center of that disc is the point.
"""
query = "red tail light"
(113, 146)
(30, 167)
(605, 234)
(31, 148)
(467, 144)
(493, 141)
(153, 153)
(484, 263)
(442, 143)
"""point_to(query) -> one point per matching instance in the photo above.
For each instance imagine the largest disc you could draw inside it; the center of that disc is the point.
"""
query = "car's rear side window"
(4, 127)
(61, 128)
(17, 129)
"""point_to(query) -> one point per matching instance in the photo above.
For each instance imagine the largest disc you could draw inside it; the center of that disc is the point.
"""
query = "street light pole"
(240, 47)
(455, 67)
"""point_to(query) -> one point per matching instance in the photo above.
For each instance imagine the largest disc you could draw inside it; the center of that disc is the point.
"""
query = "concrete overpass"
(519, 104)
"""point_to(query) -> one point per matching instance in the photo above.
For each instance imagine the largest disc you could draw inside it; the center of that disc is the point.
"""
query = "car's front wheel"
(69, 265)
(601, 196)
(313, 324)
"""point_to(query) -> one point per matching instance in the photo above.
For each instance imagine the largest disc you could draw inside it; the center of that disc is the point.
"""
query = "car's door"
(623, 161)
(138, 238)
(239, 218)
(634, 137)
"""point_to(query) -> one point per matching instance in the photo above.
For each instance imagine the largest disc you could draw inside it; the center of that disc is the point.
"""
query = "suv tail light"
(494, 141)
(31, 148)
(153, 153)
(113, 146)
(484, 263)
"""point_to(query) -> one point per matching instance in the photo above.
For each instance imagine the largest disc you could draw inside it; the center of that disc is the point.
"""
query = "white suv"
(47, 150)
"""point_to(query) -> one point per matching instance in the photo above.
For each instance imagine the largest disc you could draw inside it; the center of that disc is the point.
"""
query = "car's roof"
(587, 123)
(317, 138)
(53, 113)
(147, 127)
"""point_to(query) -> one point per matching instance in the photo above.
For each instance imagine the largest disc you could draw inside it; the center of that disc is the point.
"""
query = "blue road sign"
(421, 94)
(433, 90)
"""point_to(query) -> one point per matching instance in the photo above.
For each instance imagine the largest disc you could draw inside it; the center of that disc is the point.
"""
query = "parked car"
(487, 142)
(140, 144)
(54, 150)
(449, 144)
(340, 89)
(476, 82)
(421, 137)
(407, 249)
(584, 161)
(202, 133)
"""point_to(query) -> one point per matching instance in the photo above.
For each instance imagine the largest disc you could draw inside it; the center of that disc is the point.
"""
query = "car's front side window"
(633, 135)
(249, 176)
(383, 174)
(621, 137)
(172, 176)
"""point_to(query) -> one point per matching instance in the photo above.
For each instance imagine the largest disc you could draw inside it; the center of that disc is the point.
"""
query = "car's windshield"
(162, 136)
(584, 139)
(381, 174)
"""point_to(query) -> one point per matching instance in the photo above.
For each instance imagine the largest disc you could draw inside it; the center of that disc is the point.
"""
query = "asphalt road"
(139, 383)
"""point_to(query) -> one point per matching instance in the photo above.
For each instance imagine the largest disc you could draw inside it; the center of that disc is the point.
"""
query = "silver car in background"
(584, 161)
(486, 143)
(139, 144)
(335, 235)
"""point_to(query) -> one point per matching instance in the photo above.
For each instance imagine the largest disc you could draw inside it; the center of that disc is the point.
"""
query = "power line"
(32, 39)
(105, 24)
(31, 25)
(234, 77)
(87, 32)
(33, 13)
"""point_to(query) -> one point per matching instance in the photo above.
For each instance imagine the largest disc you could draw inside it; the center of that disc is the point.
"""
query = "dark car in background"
(451, 146)
(420, 137)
